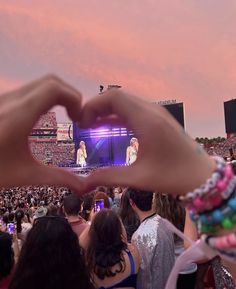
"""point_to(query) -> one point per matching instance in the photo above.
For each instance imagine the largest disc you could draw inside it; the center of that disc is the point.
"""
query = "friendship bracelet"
(227, 223)
(214, 199)
(223, 242)
(213, 204)
(224, 245)
(210, 183)
(228, 207)
(216, 196)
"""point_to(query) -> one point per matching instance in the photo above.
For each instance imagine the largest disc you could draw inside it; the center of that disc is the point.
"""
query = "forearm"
(16, 250)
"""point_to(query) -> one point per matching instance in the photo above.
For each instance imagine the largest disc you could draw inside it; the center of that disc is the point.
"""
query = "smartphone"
(10, 228)
(99, 205)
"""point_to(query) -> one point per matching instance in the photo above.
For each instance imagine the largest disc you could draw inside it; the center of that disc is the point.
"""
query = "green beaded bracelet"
(227, 223)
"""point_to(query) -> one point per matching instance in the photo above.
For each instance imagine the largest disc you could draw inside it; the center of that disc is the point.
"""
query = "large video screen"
(177, 111)
(230, 116)
(101, 147)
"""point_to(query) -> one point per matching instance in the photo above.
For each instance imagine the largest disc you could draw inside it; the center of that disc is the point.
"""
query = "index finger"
(112, 102)
(40, 99)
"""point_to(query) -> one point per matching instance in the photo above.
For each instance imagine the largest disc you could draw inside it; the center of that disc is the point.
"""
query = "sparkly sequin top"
(155, 244)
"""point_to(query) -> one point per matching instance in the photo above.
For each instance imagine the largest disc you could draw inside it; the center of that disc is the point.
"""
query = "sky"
(159, 50)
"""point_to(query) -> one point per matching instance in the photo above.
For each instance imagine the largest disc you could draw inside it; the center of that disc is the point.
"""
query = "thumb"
(118, 176)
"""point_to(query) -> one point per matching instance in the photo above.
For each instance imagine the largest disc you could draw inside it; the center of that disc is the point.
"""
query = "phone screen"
(10, 228)
(99, 204)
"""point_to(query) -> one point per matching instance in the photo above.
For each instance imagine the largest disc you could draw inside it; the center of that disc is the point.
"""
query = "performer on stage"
(132, 151)
(81, 155)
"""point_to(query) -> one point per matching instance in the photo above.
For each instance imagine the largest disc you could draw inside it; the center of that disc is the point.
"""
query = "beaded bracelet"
(222, 242)
(217, 195)
(214, 198)
(210, 183)
(227, 223)
(228, 207)
(223, 217)
(225, 245)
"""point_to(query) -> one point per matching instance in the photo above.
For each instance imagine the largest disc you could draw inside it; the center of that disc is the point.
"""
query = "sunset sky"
(183, 50)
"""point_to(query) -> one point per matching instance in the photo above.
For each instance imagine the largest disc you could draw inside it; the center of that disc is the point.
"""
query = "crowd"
(24, 206)
(47, 120)
(45, 148)
(223, 149)
(52, 152)
(123, 242)
(139, 235)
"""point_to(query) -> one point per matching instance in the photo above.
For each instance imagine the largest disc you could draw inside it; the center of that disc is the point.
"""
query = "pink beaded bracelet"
(214, 198)
(210, 183)
(223, 242)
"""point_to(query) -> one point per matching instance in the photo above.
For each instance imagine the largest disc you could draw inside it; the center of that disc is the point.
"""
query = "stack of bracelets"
(213, 207)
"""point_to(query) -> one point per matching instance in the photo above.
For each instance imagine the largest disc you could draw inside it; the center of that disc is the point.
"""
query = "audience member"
(51, 258)
(129, 218)
(169, 208)
(9, 252)
(87, 206)
(154, 241)
(40, 212)
(102, 196)
(113, 262)
(72, 208)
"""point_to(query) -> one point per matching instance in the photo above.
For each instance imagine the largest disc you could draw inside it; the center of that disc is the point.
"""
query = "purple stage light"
(105, 132)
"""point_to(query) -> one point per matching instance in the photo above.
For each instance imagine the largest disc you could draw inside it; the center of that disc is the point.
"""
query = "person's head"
(106, 243)
(72, 205)
(19, 215)
(101, 189)
(51, 258)
(40, 212)
(102, 196)
(128, 216)
(53, 210)
(141, 201)
(87, 205)
(82, 144)
(5, 218)
(6, 255)
(133, 141)
(126, 212)
(117, 190)
(171, 209)
(11, 217)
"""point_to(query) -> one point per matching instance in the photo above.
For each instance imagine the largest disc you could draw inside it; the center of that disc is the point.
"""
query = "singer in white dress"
(132, 151)
(81, 155)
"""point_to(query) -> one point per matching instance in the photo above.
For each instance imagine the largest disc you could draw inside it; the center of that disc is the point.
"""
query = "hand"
(92, 215)
(19, 111)
(168, 159)
(3, 227)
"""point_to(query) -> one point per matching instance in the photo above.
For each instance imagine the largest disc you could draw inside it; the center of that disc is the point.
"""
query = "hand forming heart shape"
(168, 160)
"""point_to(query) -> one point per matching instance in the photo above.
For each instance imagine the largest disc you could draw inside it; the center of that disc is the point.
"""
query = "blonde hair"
(81, 142)
(133, 139)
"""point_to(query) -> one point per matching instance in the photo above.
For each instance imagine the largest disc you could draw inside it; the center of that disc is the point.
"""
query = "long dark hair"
(19, 215)
(128, 216)
(51, 258)
(6, 255)
(106, 244)
(171, 209)
(87, 205)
